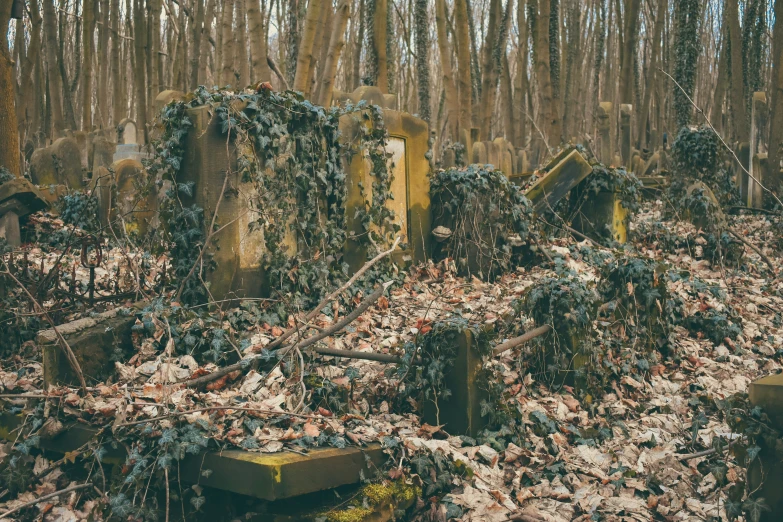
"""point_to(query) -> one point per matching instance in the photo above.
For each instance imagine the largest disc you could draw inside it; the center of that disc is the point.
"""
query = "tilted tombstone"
(480, 153)
(408, 145)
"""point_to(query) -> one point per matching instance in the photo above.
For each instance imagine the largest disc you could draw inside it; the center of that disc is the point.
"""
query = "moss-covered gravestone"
(563, 173)
(130, 206)
(58, 164)
(208, 163)
(408, 145)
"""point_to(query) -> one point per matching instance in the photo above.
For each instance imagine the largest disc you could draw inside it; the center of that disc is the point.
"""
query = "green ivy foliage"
(79, 209)
(291, 152)
(485, 213)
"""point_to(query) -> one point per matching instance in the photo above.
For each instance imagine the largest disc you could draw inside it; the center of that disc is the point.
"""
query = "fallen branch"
(367, 356)
(516, 341)
(246, 364)
(754, 248)
(212, 408)
(689, 456)
(329, 298)
(61, 340)
(45, 497)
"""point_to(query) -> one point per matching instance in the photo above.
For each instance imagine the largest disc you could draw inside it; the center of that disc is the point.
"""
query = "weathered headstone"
(103, 153)
(460, 413)
(18, 198)
(58, 164)
(103, 182)
(408, 144)
(765, 474)
(82, 140)
(626, 111)
(390, 101)
(236, 251)
(135, 212)
(340, 98)
(449, 160)
(604, 124)
(370, 94)
(9, 229)
(165, 97)
(524, 164)
(480, 153)
(565, 172)
(126, 132)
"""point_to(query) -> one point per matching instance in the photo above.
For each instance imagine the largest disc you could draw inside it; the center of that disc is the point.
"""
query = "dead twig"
(61, 340)
(689, 456)
(754, 248)
(45, 497)
(329, 298)
(516, 341)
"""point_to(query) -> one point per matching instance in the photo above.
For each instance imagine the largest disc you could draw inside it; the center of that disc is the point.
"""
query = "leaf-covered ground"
(624, 452)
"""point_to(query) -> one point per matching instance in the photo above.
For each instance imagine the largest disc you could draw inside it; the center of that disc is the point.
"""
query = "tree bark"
(119, 109)
(305, 55)
(463, 60)
(737, 89)
(336, 44)
(423, 58)
(641, 132)
(776, 121)
(488, 85)
(243, 67)
(379, 42)
(103, 72)
(629, 49)
(139, 77)
(227, 26)
(55, 80)
(450, 89)
(255, 17)
(88, 24)
(541, 57)
(521, 80)
(9, 131)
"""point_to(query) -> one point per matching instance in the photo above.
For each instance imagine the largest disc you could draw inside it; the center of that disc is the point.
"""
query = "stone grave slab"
(566, 171)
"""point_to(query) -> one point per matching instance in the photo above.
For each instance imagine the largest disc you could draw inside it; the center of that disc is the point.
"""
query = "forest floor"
(627, 453)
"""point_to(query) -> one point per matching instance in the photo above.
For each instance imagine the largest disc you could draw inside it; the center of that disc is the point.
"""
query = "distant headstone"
(449, 159)
(137, 214)
(626, 151)
(104, 182)
(58, 164)
(479, 153)
(390, 101)
(103, 153)
(82, 140)
(370, 94)
(126, 132)
(604, 124)
(9, 229)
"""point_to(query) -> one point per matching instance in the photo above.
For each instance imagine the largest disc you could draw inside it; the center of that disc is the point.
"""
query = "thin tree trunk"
(88, 24)
(737, 90)
(255, 16)
(653, 72)
(488, 70)
(139, 77)
(444, 51)
(305, 56)
(379, 41)
(9, 131)
(336, 45)
(541, 56)
(521, 81)
(463, 59)
(103, 72)
(227, 30)
(422, 58)
(776, 121)
(118, 99)
(244, 62)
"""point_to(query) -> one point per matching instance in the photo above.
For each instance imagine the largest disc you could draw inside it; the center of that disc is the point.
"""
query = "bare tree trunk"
(69, 86)
(776, 120)
(227, 28)
(139, 77)
(255, 16)
(463, 59)
(737, 90)
(653, 72)
(197, 28)
(423, 58)
(357, 49)
(521, 81)
(541, 56)
(55, 80)
(487, 70)
(336, 44)
(379, 42)
(9, 131)
(629, 50)
(206, 45)
(27, 91)
(118, 93)
(103, 72)
(322, 39)
(88, 24)
(452, 109)
(306, 47)
(507, 102)
(244, 62)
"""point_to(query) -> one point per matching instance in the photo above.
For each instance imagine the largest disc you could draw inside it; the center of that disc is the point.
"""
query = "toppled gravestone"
(563, 173)
(58, 164)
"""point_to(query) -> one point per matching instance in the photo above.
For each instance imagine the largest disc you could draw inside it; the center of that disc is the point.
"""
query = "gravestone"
(408, 145)
(340, 98)
(370, 94)
(604, 124)
(752, 195)
(765, 474)
(564, 172)
(136, 212)
(82, 140)
(480, 153)
(449, 160)
(626, 111)
(236, 250)
(58, 164)
(493, 154)
(18, 198)
(127, 133)
(390, 101)
(103, 182)
(165, 97)
(522, 161)
(102, 153)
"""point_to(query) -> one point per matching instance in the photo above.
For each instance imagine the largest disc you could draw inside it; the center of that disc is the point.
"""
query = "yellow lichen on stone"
(380, 496)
